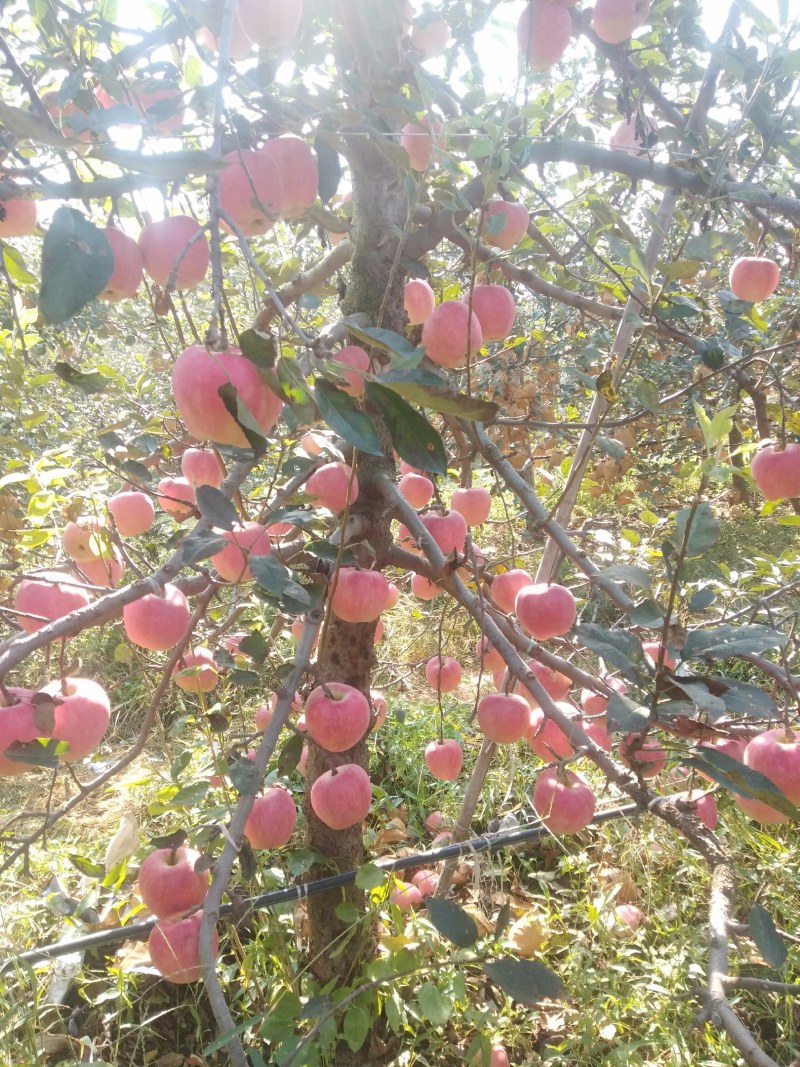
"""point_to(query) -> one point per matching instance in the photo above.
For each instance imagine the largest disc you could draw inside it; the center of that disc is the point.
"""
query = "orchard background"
(431, 372)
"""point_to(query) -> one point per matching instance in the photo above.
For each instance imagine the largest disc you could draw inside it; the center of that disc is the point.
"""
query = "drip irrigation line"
(487, 843)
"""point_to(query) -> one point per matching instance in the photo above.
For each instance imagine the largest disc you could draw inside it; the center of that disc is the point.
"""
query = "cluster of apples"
(775, 753)
(544, 29)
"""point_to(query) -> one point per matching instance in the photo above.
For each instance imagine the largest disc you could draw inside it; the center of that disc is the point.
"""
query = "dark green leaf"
(412, 435)
(618, 647)
(369, 877)
(325, 550)
(734, 775)
(330, 169)
(503, 920)
(647, 394)
(728, 640)
(452, 921)
(627, 572)
(277, 579)
(430, 390)
(355, 1026)
(244, 776)
(88, 382)
(77, 261)
(705, 701)
(137, 471)
(36, 753)
(525, 981)
(255, 645)
(296, 516)
(703, 533)
(344, 416)
(244, 418)
(702, 599)
(648, 614)
(743, 699)
(388, 341)
(631, 255)
(315, 1007)
(173, 840)
(216, 507)
(290, 754)
(295, 391)
(768, 941)
(201, 545)
(625, 715)
(259, 348)
(240, 677)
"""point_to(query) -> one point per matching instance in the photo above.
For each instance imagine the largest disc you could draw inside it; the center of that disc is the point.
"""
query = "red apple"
(625, 920)
(443, 673)
(342, 797)
(416, 489)
(104, 570)
(176, 497)
(244, 541)
(473, 504)
(488, 655)
(241, 45)
(332, 484)
(82, 540)
(630, 135)
(174, 947)
(196, 379)
(169, 885)
(358, 595)
(157, 622)
(495, 307)
(423, 588)
(430, 36)
(196, 671)
(420, 142)
(777, 756)
(272, 819)
(201, 467)
(339, 718)
(596, 704)
(162, 242)
(504, 717)
(754, 279)
(82, 713)
(426, 881)
(645, 759)
(406, 897)
(445, 759)
(418, 300)
(394, 596)
(506, 586)
(732, 747)
(615, 20)
(17, 218)
(759, 811)
(18, 723)
(563, 800)
(652, 649)
(505, 223)
(448, 529)
(133, 512)
(160, 102)
(543, 33)
(355, 362)
(450, 332)
(545, 611)
(270, 23)
(434, 820)
(51, 595)
(380, 708)
(128, 267)
(547, 739)
(299, 173)
(776, 471)
(251, 190)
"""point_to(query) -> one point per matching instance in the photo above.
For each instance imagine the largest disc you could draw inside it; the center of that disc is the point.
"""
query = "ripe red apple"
(342, 797)
(543, 33)
(445, 759)
(473, 504)
(615, 20)
(331, 483)
(176, 497)
(128, 267)
(448, 529)
(270, 23)
(174, 946)
(202, 467)
(777, 756)
(297, 166)
(416, 488)
(82, 713)
(596, 704)
(244, 541)
(272, 819)
(443, 673)
(652, 649)
(625, 920)
(505, 223)
(160, 102)
(430, 36)
(420, 141)
(104, 570)
(545, 738)
(196, 379)
(354, 361)
(196, 671)
(51, 595)
(449, 332)
(504, 717)
(754, 279)
(162, 242)
(630, 135)
(251, 190)
(426, 881)
(82, 540)
(394, 596)
(418, 300)
(705, 807)
(759, 811)
(133, 512)
(733, 747)
(358, 595)
(647, 759)
(434, 820)
(776, 471)
(495, 307)
(545, 611)
(18, 723)
(339, 718)
(423, 588)
(157, 622)
(64, 118)
(563, 800)
(241, 45)
(169, 885)
(17, 218)
(406, 897)
(489, 656)
(498, 1057)
(506, 586)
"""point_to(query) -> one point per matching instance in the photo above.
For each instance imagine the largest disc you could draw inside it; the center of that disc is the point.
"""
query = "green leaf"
(430, 390)
(370, 877)
(216, 507)
(259, 348)
(355, 1026)
(86, 866)
(744, 699)
(700, 696)
(290, 754)
(629, 253)
(330, 169)
(620, 648)
(728, 640)
(625, 715)
(710, 245)
(734, 775)
(702, 599)
(245, 420)
(15, 265)
(768, 941)
(648, 614)
(452, 921)
(277, 579)
(412, 435)
(647, 394)
(433, 1004)
(295, 391)
(525, 980)
(715, 430)
(88, 382)
(255, 645)
(77, 261)
(325, 550)
(704, 531)
(344, 416)
(199, 546)
(244, 777)
(628, 573)
(388, 341)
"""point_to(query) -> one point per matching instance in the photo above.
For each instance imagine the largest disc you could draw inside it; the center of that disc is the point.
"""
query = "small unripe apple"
(51, 595)
(174, 946)
(163, 242)
(545, 611)
(543, 33)
(754, 279)
(342, 797)
(563, 800)
(202, 467)
(272, 819)
(332, 485)
(445, 759)
(168, 882)
(776, 471)
(176, 497)
(157, 622)
(358, 595)
(133, 512)
(244, 541)
(443, 673)
(506, 586)
(418, 300)
(474, 504)
(505, 223)
(196, 671)
(339, 718)
(504, 717)
(451, 331)
(416, 489)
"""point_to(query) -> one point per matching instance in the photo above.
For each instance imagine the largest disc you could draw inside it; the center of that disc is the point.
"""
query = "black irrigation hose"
(487, 843)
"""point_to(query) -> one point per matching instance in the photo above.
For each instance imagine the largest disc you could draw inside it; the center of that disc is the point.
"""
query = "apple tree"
(316, 305)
